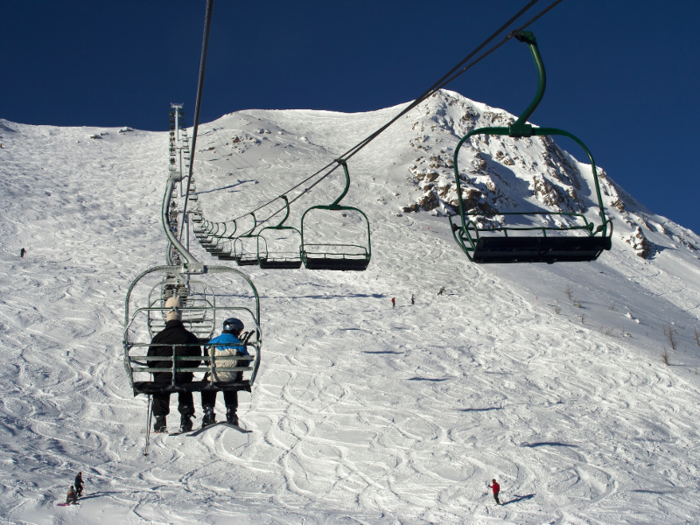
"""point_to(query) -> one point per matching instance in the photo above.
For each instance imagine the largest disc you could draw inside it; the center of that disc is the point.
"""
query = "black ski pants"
(230, 398)
(161, 402)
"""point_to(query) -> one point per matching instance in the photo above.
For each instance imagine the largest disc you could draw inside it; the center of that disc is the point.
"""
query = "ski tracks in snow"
(362, 413)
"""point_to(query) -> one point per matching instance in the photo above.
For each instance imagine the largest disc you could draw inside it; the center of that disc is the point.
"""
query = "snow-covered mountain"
(548, 378)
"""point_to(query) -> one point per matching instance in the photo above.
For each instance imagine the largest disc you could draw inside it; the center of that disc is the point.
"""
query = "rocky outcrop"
(644, 248)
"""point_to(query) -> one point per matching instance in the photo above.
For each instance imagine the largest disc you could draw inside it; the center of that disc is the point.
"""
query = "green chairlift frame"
(517, 249)
(214, 243)
(227, 254)
(202, 230)
(278, 260)
(241, 258)
(201, 318)
(352, 257)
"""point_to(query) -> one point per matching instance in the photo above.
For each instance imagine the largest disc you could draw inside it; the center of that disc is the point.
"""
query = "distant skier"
(413, 299)
(162, 343)
(496, 489)
(393, 302)
(230, 345)
(442, 291)
(72, 497)
(22, 252)
(79, 484)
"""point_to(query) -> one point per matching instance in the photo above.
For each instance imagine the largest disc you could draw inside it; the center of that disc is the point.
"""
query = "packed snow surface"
(548, 378)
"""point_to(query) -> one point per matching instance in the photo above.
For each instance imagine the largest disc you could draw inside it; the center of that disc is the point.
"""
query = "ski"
(236, 427)
(220, 423)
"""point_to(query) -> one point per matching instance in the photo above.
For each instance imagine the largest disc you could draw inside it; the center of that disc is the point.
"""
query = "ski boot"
(231, 417)
(160, 425)
(209, 417)
(185, 423)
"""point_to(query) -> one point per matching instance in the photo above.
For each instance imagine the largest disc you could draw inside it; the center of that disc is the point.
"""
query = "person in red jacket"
(393, 302)
(496, 489)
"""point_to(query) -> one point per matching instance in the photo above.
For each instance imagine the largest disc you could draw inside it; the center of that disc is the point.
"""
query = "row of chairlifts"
(286, 247)
(209, 295)
(178, 132)
(484, 239)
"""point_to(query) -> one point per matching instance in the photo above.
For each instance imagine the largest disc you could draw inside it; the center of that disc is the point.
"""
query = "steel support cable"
(506, 39)
(446, 79)
(197, 105)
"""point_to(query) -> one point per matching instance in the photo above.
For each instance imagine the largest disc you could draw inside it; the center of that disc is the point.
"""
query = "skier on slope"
(393, 302)
(79, 484)
(496, 489)
(227, 344)
(162, 343)
(72, 496)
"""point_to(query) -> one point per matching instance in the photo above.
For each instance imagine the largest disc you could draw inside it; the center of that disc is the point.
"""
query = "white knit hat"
(173, 306)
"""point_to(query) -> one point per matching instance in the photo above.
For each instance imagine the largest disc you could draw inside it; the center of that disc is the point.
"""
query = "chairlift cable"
(197, 106)
(444, 81)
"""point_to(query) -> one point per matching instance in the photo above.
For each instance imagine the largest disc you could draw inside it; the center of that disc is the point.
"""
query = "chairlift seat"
(342, 264)
(539, 249)
(246, 261)
(280, 264)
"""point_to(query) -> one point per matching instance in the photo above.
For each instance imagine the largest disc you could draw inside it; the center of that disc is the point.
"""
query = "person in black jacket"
(174, 333)
(78, 483)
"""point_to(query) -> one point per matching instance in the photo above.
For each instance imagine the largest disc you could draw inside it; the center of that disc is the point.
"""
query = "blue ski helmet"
(233, 325)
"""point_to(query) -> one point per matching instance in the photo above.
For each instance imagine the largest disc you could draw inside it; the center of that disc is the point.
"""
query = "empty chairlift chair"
(349, 255)
(498, 243)
(278, 246)
(227, 244)
(245, 247)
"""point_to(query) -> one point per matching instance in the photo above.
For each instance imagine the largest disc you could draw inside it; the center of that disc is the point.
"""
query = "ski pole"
(148, 425)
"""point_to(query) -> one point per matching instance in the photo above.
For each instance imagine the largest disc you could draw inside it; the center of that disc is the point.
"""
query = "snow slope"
(361, 413)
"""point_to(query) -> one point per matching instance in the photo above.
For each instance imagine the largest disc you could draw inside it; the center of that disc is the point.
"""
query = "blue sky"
(622, 75)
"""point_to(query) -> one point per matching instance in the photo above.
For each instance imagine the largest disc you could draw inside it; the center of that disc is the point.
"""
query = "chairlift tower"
(180, 160)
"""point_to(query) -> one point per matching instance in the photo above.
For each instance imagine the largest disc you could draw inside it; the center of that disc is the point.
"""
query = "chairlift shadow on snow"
(440, 380)
(546, 444)
(661, 492)
(240, 182)
(336, 296)
(517, 499)
(480, 409)
(383, 352)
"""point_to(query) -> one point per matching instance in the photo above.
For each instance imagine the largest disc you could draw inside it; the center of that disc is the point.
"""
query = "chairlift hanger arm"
(249, 233)
(286, 215)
